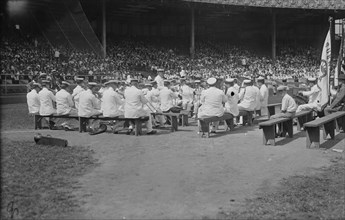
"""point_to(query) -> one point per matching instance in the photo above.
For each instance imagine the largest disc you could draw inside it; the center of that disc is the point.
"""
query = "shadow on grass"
(287, 139)
(332, 142)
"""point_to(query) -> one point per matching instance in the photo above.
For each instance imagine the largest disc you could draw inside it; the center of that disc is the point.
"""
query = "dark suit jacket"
(339, 98)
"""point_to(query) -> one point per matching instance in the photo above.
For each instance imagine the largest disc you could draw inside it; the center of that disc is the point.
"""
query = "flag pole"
(330, 19)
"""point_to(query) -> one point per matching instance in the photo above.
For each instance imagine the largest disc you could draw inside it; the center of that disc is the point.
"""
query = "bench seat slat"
(320, 121)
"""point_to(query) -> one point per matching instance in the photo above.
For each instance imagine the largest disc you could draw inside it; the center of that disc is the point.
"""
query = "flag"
(340, 62)
(323, 78)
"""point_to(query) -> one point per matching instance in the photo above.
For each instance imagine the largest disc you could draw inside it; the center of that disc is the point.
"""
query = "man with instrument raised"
(313, 95)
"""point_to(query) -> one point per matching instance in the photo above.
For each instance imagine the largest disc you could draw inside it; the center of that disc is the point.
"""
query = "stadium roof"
(301, 4)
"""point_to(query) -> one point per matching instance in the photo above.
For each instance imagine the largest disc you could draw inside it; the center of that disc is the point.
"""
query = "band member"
(90, 105)
(77, 90)
(33, 100)
(47, 99)
(289, 105)
(64, 104)
(187, 94)
(264, 96)
(159, 79)
(212, 99)
(314, 97)
(167, 97)
(197, 98)
(134, 101)
(233, 98)
(247, 97)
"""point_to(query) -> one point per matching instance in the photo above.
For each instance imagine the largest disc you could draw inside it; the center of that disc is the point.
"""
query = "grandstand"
(184, 32)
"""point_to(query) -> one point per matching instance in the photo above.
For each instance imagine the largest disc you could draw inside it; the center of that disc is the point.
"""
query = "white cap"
(92, 84)
(230, 80)
(66, 83)
(282, 88)
(160, 70)
(211, 81)
(261, 78)
(79, 79)
(111, 81)
(197, 81)
(247, 81)
(311, 79)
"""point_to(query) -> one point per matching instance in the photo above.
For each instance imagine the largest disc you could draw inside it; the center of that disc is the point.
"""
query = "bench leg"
(184, 120)
(329, 128)
(300, 122)
(288, 128)
(340, 123)
(82, 124)
(205, 128)
(138, 127)
(269, 135)
(38, 122)
(174, 123)
(313, 136)
(250, 119)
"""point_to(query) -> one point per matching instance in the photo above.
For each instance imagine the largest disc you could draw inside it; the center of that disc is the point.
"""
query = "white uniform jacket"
(212, 100)
(187, 93)
(231, 104)
(89, 105)
(249, 98)
(111, 103)
(64, 102)
(46, 102)
(313, 94)
(257, 98)
(264, 95)
(134, 101)
(160, 82)
(166, 98)
(75, 95)
(33, 101)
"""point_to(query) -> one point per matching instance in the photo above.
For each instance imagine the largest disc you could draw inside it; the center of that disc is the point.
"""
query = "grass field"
(38, 180)
(320, 196)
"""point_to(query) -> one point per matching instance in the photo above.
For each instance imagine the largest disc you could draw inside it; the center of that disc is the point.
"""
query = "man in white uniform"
(187, 94)
(111, 103)
(166, 97)
(90, 105)
(33, 100)
(247, 97)
(197, 98)
(233, 98)
(314, 97)
(134, 101)
(257, 99)
(212, 99)
(47, 99)
(77, 90)
(64, 105)
(264, 96)
(159, 79)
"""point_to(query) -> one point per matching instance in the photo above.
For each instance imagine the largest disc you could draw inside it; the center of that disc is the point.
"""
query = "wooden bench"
(205, 123)
(83, 122)
(272, 108)
(269, 127)
(329, 123)
(38, 119)
(173, 119)
(247, 117)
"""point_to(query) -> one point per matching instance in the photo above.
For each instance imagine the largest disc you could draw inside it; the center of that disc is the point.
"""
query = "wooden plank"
(320, 121)
(269, 135)
(313, 137)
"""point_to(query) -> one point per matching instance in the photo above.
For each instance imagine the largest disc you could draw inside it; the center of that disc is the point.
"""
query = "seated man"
(153, 104)
(338, 103)
(187, 94)
(77, 90)
(47, 99)
(33, 100)
(90, 105)
(289, 106)
(248, 97)
(212, 99)
(111, 103)
(134, 101)
(314, 97)
(64, 105)
(232, 95)
(167, 97)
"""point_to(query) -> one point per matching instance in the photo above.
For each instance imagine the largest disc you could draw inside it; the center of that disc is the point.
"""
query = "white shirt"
(264, 95)
(187, 93)
(288, 104)
(64, 102)
(166, 97)
(313, 94)
(249, 98)
(46, 102)
(89, 105)
(111, 102)
(212, 100)
(134, 101)
(237, 87)
(33, 101)
(257, 98)
(76, 91)
(160, 82)
(233, 98)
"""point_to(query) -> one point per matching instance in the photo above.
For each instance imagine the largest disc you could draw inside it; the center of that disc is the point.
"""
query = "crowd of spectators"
(26, 58)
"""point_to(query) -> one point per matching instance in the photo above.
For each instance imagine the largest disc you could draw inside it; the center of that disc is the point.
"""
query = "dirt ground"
(181, 176)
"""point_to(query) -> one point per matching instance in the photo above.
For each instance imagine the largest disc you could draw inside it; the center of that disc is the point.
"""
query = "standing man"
(314, 97)
(159, 79)
(212, 99)
(33, 100)
(264, 96)
(134, 101)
